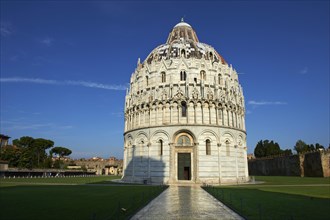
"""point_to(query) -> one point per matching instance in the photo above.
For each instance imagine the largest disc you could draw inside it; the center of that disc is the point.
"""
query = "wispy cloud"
(29, 80)
(304, 71)
(258, 103)
(23, 125)
(6, 29)
(95, 85)
(47, 41)
(66, 82)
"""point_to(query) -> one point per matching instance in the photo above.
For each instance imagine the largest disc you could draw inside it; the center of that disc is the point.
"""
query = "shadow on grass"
(107, 182)
(259, 204)
(74, 202)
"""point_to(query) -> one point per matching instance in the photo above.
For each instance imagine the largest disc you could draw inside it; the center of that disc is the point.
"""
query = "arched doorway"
(184, 157)
(184, 166)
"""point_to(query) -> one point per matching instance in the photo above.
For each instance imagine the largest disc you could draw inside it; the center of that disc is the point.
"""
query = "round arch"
(182, 132)
(210, 131)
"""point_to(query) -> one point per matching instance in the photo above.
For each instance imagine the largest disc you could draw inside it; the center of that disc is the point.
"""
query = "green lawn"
(59, 180)
(278, 198)
(292, 180)
(87, 201)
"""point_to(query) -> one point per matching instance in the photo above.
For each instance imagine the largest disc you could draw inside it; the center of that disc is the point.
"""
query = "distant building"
(251, 157)
(185, 116)
(3, 165)
(100, 166)
(4, 140)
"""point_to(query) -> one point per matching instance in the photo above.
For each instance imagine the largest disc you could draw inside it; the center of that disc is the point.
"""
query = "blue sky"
(65, 66)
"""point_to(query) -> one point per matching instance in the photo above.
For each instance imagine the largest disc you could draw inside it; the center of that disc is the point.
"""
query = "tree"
(301, 147)
(25, 141)
(268, 148)
(287, 152)
(33, 151)
(40, 145)
(60, 151)
(272, 148)
(319, 146)
(11, 154)
(260, 150)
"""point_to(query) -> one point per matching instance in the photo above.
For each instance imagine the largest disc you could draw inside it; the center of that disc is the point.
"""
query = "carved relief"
(209, 94)
(179, 94)
(151, 98)
(195, 94)
(164, 95)
(222, 96)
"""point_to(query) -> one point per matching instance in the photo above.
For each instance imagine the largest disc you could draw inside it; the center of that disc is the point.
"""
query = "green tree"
(40, 146)
(60, 151)
(272, 148)
(259, 150)
(268, 148)
(319, 146)
(23, 142)
(33, 151)
(301, 147)
(11, 154)
(287, 152)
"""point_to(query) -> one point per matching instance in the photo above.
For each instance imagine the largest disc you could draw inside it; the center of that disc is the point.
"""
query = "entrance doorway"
(184, 166)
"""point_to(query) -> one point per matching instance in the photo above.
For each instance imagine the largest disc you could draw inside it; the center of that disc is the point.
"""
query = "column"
(132, 161)
(195, 120)
(179, 113)
(245, 163)
(202, 110)
(125, 122)
(219, 161)
(125, 161)
(149, 116)
(216, 115)
(172, 163)
(187, 113)
(243, 122)
(236, 153)
(209, 110)
(229, 118)
(196, 163)
(171, 107)
(148, 145)
(225, 120)
(139, 119)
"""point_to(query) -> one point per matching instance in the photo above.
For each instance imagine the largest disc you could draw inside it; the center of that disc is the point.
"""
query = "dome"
(184, 116)
(182, 41)
(182, 23)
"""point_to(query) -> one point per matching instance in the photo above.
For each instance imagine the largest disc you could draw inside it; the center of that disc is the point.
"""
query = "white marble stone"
(183, 96)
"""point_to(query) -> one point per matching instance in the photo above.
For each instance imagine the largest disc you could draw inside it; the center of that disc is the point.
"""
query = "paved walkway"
(185, 202)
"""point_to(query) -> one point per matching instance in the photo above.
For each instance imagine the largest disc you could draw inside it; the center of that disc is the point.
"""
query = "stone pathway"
(185, 202)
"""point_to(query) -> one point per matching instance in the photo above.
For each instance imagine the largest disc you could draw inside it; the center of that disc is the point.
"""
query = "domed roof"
(182, 23)
(183, 42)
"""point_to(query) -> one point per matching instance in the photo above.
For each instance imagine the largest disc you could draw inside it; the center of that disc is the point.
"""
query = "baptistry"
(184, 116)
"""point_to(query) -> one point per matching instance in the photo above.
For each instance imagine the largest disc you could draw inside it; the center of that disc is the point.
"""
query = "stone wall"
(102, 166)
(311, 164)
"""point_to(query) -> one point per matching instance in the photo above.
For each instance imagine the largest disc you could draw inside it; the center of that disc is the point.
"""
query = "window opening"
(183, 75)
(184, 109)
(208, 147)
(160, 147)
(183, 140)
(163, 77)
(203, 75)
